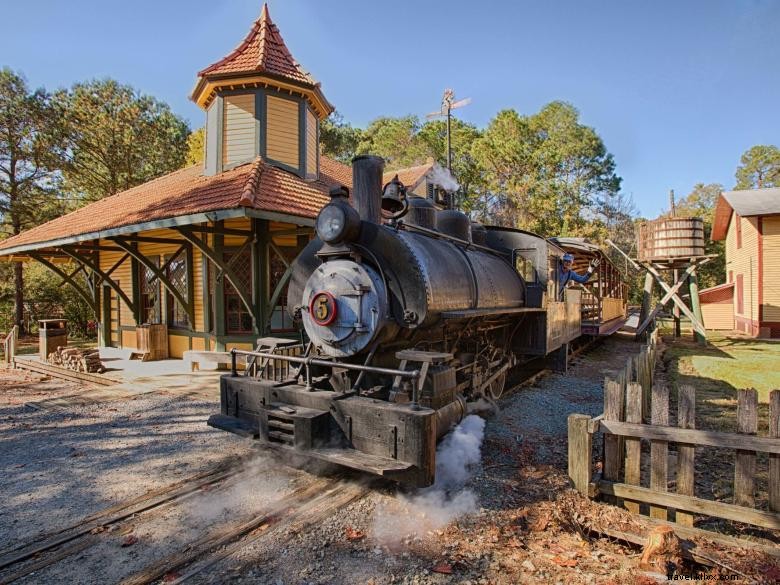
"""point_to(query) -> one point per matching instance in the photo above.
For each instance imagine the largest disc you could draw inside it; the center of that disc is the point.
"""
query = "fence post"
(686, 419)
(659, 450)
(774, 459)
(580, 452)
(633, 444)
(613, 410)
(745, 462)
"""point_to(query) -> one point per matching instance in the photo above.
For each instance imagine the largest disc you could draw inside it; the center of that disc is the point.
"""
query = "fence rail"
(636, 409)
(10, 342)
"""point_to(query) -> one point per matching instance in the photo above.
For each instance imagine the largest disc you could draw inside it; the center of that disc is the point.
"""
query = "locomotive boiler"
(412, 316)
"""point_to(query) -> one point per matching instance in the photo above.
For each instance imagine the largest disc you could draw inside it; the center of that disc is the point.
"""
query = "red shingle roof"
(254, 185)
(410, 176)
(262, 51)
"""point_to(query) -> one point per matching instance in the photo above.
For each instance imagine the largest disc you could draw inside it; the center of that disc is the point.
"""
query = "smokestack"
(367, 186)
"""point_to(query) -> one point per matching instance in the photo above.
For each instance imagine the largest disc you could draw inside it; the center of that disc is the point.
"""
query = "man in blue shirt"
(566, 273)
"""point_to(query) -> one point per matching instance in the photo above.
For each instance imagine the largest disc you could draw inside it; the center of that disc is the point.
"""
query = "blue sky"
(678, 90)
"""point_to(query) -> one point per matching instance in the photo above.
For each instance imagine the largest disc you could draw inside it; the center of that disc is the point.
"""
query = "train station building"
(206, 250)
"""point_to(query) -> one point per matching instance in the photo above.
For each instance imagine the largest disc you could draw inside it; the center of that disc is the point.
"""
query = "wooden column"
(676, 310)
(261, 273)
(647, 297)
(693, 283)
(219, 291)
(613, 410)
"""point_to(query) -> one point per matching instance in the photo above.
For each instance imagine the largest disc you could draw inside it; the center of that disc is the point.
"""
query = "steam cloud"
(444, 179)
(433, 508)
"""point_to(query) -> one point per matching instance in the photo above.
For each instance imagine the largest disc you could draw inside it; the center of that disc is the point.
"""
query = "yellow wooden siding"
(122, 275)
(282, 130)
(238, 131)
(744, 261)
(718, 315)
(198, 344)
(244, 346)
(177, 345)
(612, 308)
(311, 145)
(771, 269)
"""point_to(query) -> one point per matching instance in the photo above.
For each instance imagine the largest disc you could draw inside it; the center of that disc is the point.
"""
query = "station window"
(176, 272)
(150, 293)
(238, 319)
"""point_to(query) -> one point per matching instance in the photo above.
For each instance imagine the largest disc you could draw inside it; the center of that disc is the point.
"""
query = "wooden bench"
(211, 357)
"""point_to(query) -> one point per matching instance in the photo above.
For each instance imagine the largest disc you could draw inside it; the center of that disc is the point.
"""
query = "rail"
(307, 362)
(9, 345)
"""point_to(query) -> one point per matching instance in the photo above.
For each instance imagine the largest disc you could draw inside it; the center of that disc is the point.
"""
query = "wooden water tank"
(670, 238)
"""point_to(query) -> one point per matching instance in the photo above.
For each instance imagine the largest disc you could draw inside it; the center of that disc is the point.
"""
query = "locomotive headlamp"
(337, 222)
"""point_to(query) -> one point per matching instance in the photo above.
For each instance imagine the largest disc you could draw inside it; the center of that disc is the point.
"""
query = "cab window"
(524, 265)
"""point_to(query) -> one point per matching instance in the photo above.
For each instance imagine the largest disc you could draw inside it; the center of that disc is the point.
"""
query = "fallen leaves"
(129, 540)
(352, 534)
(562, 562)
(443, 569)
(541, 522)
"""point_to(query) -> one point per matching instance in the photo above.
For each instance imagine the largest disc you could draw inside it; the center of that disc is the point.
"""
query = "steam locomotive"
(414, 317)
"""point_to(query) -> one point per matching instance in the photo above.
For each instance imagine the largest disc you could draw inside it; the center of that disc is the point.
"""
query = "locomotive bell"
(394, 196)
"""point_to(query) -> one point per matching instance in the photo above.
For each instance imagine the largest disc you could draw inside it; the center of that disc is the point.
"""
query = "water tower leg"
(693, 282)
(647, 297)
(676, 310)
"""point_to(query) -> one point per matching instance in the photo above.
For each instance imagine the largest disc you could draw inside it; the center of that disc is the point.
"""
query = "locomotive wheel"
(495, 389)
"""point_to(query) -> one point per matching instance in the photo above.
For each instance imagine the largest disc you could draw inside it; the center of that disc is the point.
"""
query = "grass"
(738, 362)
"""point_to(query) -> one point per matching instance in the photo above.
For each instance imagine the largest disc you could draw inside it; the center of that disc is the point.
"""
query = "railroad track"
(298, 511)
(302, 508)
(47, 549)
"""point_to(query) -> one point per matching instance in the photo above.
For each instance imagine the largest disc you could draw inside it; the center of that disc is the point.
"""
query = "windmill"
(448, 104)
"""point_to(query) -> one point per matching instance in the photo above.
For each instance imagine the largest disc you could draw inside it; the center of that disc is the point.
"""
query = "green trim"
(89, 299)
(220, 115)
(159, 273)
(225, 269)
(106, 278)
(204, 276)
(219, 291)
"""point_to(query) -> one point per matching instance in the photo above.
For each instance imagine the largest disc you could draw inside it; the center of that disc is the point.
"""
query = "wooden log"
(699, 438)
(745, 462)
(613, 408)
(659, 450)
(580, 452)
(774, 459)
(662, 548)
(723, 510)
(633, 445)
(686, 419)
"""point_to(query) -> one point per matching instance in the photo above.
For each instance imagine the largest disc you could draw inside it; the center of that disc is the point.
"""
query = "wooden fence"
(10, 342)
(624, 427)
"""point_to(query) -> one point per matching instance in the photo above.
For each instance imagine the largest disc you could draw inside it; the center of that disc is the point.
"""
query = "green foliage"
(545, 171)
(30, 147)
(338, 139)
(395, 140)
(196, 147)
(759, 167)
(118, 138)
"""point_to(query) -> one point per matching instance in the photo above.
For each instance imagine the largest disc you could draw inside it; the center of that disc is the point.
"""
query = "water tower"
(672, 246)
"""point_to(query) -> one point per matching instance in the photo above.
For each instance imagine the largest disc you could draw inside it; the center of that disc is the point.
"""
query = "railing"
(9, 345)
(306, 362)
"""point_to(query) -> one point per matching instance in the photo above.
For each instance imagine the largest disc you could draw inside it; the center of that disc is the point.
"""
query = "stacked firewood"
(79, 360)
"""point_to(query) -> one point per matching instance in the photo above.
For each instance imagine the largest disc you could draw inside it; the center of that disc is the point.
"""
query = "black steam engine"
(414, 317)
